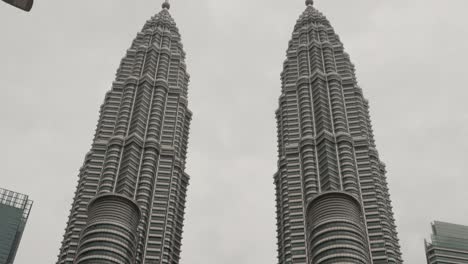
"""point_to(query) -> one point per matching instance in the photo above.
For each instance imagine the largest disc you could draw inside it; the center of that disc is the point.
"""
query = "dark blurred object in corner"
(25, 5)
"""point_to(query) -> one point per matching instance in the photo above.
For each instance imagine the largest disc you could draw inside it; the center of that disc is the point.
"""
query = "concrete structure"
(130, 199)
(333, 204)
(14, 213)
(449, 244)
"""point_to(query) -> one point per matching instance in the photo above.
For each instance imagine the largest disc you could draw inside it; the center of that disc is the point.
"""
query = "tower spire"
(166, 5)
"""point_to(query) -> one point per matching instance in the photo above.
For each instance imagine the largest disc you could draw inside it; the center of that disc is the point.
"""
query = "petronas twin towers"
(332, 199)
(129, 205)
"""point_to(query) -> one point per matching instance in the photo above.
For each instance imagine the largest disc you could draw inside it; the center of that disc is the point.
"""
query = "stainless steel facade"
(449, 244)
(330, 177)
(130, 200)
(14, 213)
(336, 231)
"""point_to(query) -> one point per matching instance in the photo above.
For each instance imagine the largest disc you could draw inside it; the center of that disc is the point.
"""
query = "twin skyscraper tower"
(332, 199)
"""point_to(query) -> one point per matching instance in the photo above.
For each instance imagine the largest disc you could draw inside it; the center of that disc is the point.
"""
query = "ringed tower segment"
(130, 200)
(326, 145)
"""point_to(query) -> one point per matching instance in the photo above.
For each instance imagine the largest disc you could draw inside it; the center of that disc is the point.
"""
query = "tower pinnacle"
(309, 2)
(166, 5)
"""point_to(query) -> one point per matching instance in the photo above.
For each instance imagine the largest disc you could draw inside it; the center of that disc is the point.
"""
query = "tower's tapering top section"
(166, 5)
(311, 14)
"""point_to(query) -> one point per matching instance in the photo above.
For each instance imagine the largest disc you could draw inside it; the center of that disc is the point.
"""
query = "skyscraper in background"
(333, 204)
(14, 213)
(449, 244)
(130, 200)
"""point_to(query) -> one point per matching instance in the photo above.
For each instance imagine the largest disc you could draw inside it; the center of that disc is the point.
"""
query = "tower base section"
(336, 230)
(110, 236)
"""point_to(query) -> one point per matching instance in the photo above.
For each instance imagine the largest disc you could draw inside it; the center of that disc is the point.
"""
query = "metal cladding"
(326, 144)
(111, 232)
(336, 229)
(138, 152)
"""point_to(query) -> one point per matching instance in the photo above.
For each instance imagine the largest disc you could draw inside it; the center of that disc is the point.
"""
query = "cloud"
(409, 56)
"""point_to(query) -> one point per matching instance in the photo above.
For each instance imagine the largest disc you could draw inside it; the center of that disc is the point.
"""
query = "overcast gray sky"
(57, 62)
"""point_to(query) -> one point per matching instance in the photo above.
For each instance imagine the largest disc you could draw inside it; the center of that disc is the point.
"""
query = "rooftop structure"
(14, 213)
(449, 244)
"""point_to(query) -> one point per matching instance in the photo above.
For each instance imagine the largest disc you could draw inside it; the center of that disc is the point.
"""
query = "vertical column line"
(117, 176)
(327, 86)
(163, 242)
(150, 215)
(355, 167)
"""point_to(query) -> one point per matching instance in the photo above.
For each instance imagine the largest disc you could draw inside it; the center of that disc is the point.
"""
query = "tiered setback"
(326, 143)
(139, 150)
